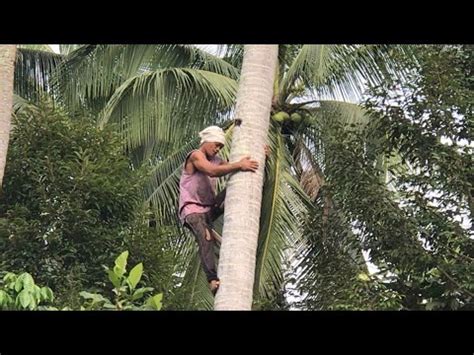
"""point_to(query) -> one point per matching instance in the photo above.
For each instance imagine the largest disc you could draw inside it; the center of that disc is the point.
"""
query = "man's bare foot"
(214, 286)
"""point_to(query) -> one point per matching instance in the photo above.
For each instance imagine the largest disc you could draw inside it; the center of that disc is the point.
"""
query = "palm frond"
(195, 280)
(159, 104)
(188, 56)
(284, 206)
(323, 118)
(311, 65)
(33, 72)
(67, 49)
(233, 54)
(349, 115)
(88, 77)
(307, 168)
(36, 47)
(344, 70)
(19, 104)
(99, 70)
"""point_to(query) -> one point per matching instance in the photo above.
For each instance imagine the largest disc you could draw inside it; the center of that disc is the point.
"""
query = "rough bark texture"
(244, 190)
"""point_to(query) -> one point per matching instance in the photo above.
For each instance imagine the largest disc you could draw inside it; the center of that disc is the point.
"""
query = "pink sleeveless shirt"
(197, 191)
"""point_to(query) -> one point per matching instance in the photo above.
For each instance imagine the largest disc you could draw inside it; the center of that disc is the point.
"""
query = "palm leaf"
(354, 117)
(343, 70)
(88, 77)
(33, 72)
(195, 280)
(284, 206)
(19, 104)
(99, 70)
(195, 58)
(67, 49)
(310, 65)
(160, 104)
(349, 115)
(233, 54)
(36, 47)
(307, 168)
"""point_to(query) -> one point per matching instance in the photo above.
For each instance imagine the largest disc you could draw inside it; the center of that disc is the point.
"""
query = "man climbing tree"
(198, 204)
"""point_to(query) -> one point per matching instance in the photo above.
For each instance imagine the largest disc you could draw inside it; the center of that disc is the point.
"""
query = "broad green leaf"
(140, 292)
(135, 275)
(95, 297)
(47, 294)
(2, 297)
(121, 264)
(19, 283)
(33, 304)
(9, 277)
(36, 291)
(24, 298)
(155, 301)
(113, 278)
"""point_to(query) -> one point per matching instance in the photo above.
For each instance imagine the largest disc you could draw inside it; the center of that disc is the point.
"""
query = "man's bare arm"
(200, 162)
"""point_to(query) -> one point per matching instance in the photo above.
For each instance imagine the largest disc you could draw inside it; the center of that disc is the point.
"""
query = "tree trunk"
(7, 62)
(244, 190)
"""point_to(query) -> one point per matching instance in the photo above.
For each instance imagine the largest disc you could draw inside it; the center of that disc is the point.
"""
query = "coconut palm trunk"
(7, 62)
(244, 190)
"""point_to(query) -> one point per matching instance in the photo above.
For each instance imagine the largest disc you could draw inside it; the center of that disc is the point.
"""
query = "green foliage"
(152, 91)
(427, 121)
(69, 199)
(335, 279)
(155, 247)
(19, 292)
(127, 295)
(277, 302)
(399, 184)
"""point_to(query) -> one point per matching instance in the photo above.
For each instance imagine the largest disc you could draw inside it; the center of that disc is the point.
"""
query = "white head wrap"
(212, 134)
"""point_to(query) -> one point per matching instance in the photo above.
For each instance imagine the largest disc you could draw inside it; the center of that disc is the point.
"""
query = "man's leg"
(196, 222)
(218, 209)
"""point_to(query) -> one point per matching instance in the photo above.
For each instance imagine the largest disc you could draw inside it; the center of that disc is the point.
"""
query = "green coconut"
(280, 116)
(296, 117)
